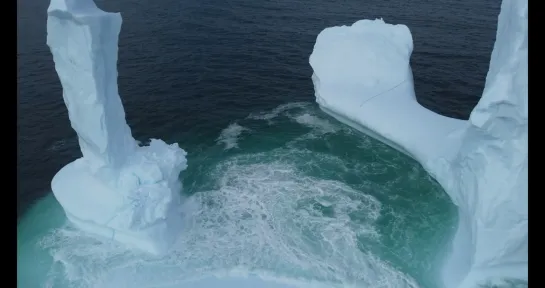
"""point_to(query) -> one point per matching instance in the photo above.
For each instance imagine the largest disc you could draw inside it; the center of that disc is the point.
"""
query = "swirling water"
(273, 184)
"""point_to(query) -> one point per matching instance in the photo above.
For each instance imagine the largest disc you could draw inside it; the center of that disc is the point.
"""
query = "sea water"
(289, 193)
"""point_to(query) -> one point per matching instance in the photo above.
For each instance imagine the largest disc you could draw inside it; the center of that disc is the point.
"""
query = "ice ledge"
(362, 77)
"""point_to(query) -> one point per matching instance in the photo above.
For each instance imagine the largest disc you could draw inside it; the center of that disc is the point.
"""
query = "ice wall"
(488, 177)
(116, 190)
(362, 77)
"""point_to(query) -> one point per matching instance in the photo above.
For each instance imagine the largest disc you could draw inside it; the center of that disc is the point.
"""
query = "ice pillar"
(83, 40)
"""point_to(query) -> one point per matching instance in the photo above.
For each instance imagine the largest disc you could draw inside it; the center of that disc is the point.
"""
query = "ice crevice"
(482, 163)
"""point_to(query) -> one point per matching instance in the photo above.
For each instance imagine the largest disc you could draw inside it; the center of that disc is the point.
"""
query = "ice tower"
(117, 190)
(362, 77)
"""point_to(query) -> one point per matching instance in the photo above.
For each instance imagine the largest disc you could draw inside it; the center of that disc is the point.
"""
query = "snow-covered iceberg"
(362, 77)
(117, 189)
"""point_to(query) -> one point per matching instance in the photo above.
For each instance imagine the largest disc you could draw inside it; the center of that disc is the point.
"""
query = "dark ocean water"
(189, 68)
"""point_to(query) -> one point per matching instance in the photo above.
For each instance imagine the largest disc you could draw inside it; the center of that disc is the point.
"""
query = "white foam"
(362, 77)
(230, 135)
(269, 115)
(321, 125)
(117, 190)
(263, 216)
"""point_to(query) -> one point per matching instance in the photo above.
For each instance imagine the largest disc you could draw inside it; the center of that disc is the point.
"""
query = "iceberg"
(117, 190)
(362, 77)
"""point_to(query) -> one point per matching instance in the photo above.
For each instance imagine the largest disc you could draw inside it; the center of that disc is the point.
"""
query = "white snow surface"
(362, 77)
(117, 189)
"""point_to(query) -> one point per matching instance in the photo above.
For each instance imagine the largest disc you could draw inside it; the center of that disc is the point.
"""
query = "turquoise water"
(290, 193)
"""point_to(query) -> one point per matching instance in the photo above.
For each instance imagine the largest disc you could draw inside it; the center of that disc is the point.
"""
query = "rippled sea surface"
(273, 184)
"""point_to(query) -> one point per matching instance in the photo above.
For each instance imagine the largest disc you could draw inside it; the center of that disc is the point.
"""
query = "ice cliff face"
(488, 176)
(481, 163)
(116, 190)
(84, 48)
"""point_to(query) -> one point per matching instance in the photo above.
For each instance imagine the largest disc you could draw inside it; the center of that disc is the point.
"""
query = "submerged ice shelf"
(117, 189)
(363, 78)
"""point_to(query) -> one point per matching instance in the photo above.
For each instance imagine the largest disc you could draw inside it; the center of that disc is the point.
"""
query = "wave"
(229, 136)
